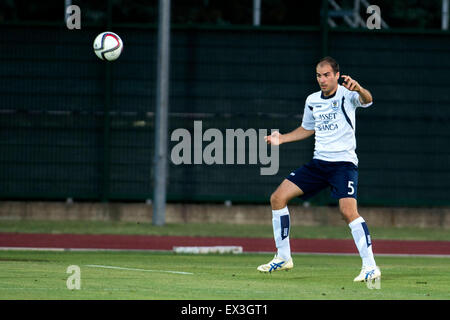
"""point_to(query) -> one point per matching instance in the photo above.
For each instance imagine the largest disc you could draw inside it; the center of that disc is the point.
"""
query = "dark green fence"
(57, 143)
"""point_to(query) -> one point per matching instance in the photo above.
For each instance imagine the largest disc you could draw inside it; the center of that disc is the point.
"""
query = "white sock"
(361, 235)
(281, 226)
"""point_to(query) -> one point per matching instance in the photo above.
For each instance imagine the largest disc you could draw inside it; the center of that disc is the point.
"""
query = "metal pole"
(356, 7)
(444, 15)
(67, 3)
(324, 28)
(256, 12)
(162, 114)
(106, 118)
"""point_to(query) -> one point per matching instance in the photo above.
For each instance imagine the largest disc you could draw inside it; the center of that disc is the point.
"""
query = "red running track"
(141, 242)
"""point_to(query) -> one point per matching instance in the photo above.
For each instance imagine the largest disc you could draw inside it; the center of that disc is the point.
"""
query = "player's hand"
(351, 84)
(274, 138)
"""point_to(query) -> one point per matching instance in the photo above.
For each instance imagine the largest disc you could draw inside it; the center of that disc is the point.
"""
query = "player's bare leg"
(349, 209)
(361, 235)
(286, 191)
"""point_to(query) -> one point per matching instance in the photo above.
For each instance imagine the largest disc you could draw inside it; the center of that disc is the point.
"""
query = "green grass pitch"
(215, 230)
(152, 275)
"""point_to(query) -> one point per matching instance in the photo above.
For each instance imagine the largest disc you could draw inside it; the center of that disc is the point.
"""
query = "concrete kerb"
(219, 213)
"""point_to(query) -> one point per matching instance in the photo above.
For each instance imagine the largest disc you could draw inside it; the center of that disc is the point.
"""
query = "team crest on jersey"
(335, 105)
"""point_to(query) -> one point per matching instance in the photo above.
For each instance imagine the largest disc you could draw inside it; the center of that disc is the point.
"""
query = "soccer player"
(329, 114)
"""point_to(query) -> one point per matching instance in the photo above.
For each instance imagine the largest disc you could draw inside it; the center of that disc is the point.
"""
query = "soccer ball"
(108, 46)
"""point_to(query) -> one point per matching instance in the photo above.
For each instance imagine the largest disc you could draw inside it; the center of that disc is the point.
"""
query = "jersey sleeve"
(308, 118)
(354, 100)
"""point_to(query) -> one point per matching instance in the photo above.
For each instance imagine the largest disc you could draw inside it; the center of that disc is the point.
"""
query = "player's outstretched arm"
(364, 95)
(277, 138)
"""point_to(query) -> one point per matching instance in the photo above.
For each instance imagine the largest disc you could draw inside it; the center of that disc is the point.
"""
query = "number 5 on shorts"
(352, 189)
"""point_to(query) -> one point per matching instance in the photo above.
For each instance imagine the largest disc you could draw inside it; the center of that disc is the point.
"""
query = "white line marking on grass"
(135, 269)
(422, 255)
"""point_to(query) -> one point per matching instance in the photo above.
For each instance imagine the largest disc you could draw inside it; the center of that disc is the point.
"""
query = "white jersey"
(333, 119)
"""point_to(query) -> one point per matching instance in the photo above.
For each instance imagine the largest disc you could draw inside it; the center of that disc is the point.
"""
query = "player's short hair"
(329, 60)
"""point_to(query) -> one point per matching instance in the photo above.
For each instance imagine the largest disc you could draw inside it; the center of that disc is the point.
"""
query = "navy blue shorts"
(341, 176)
